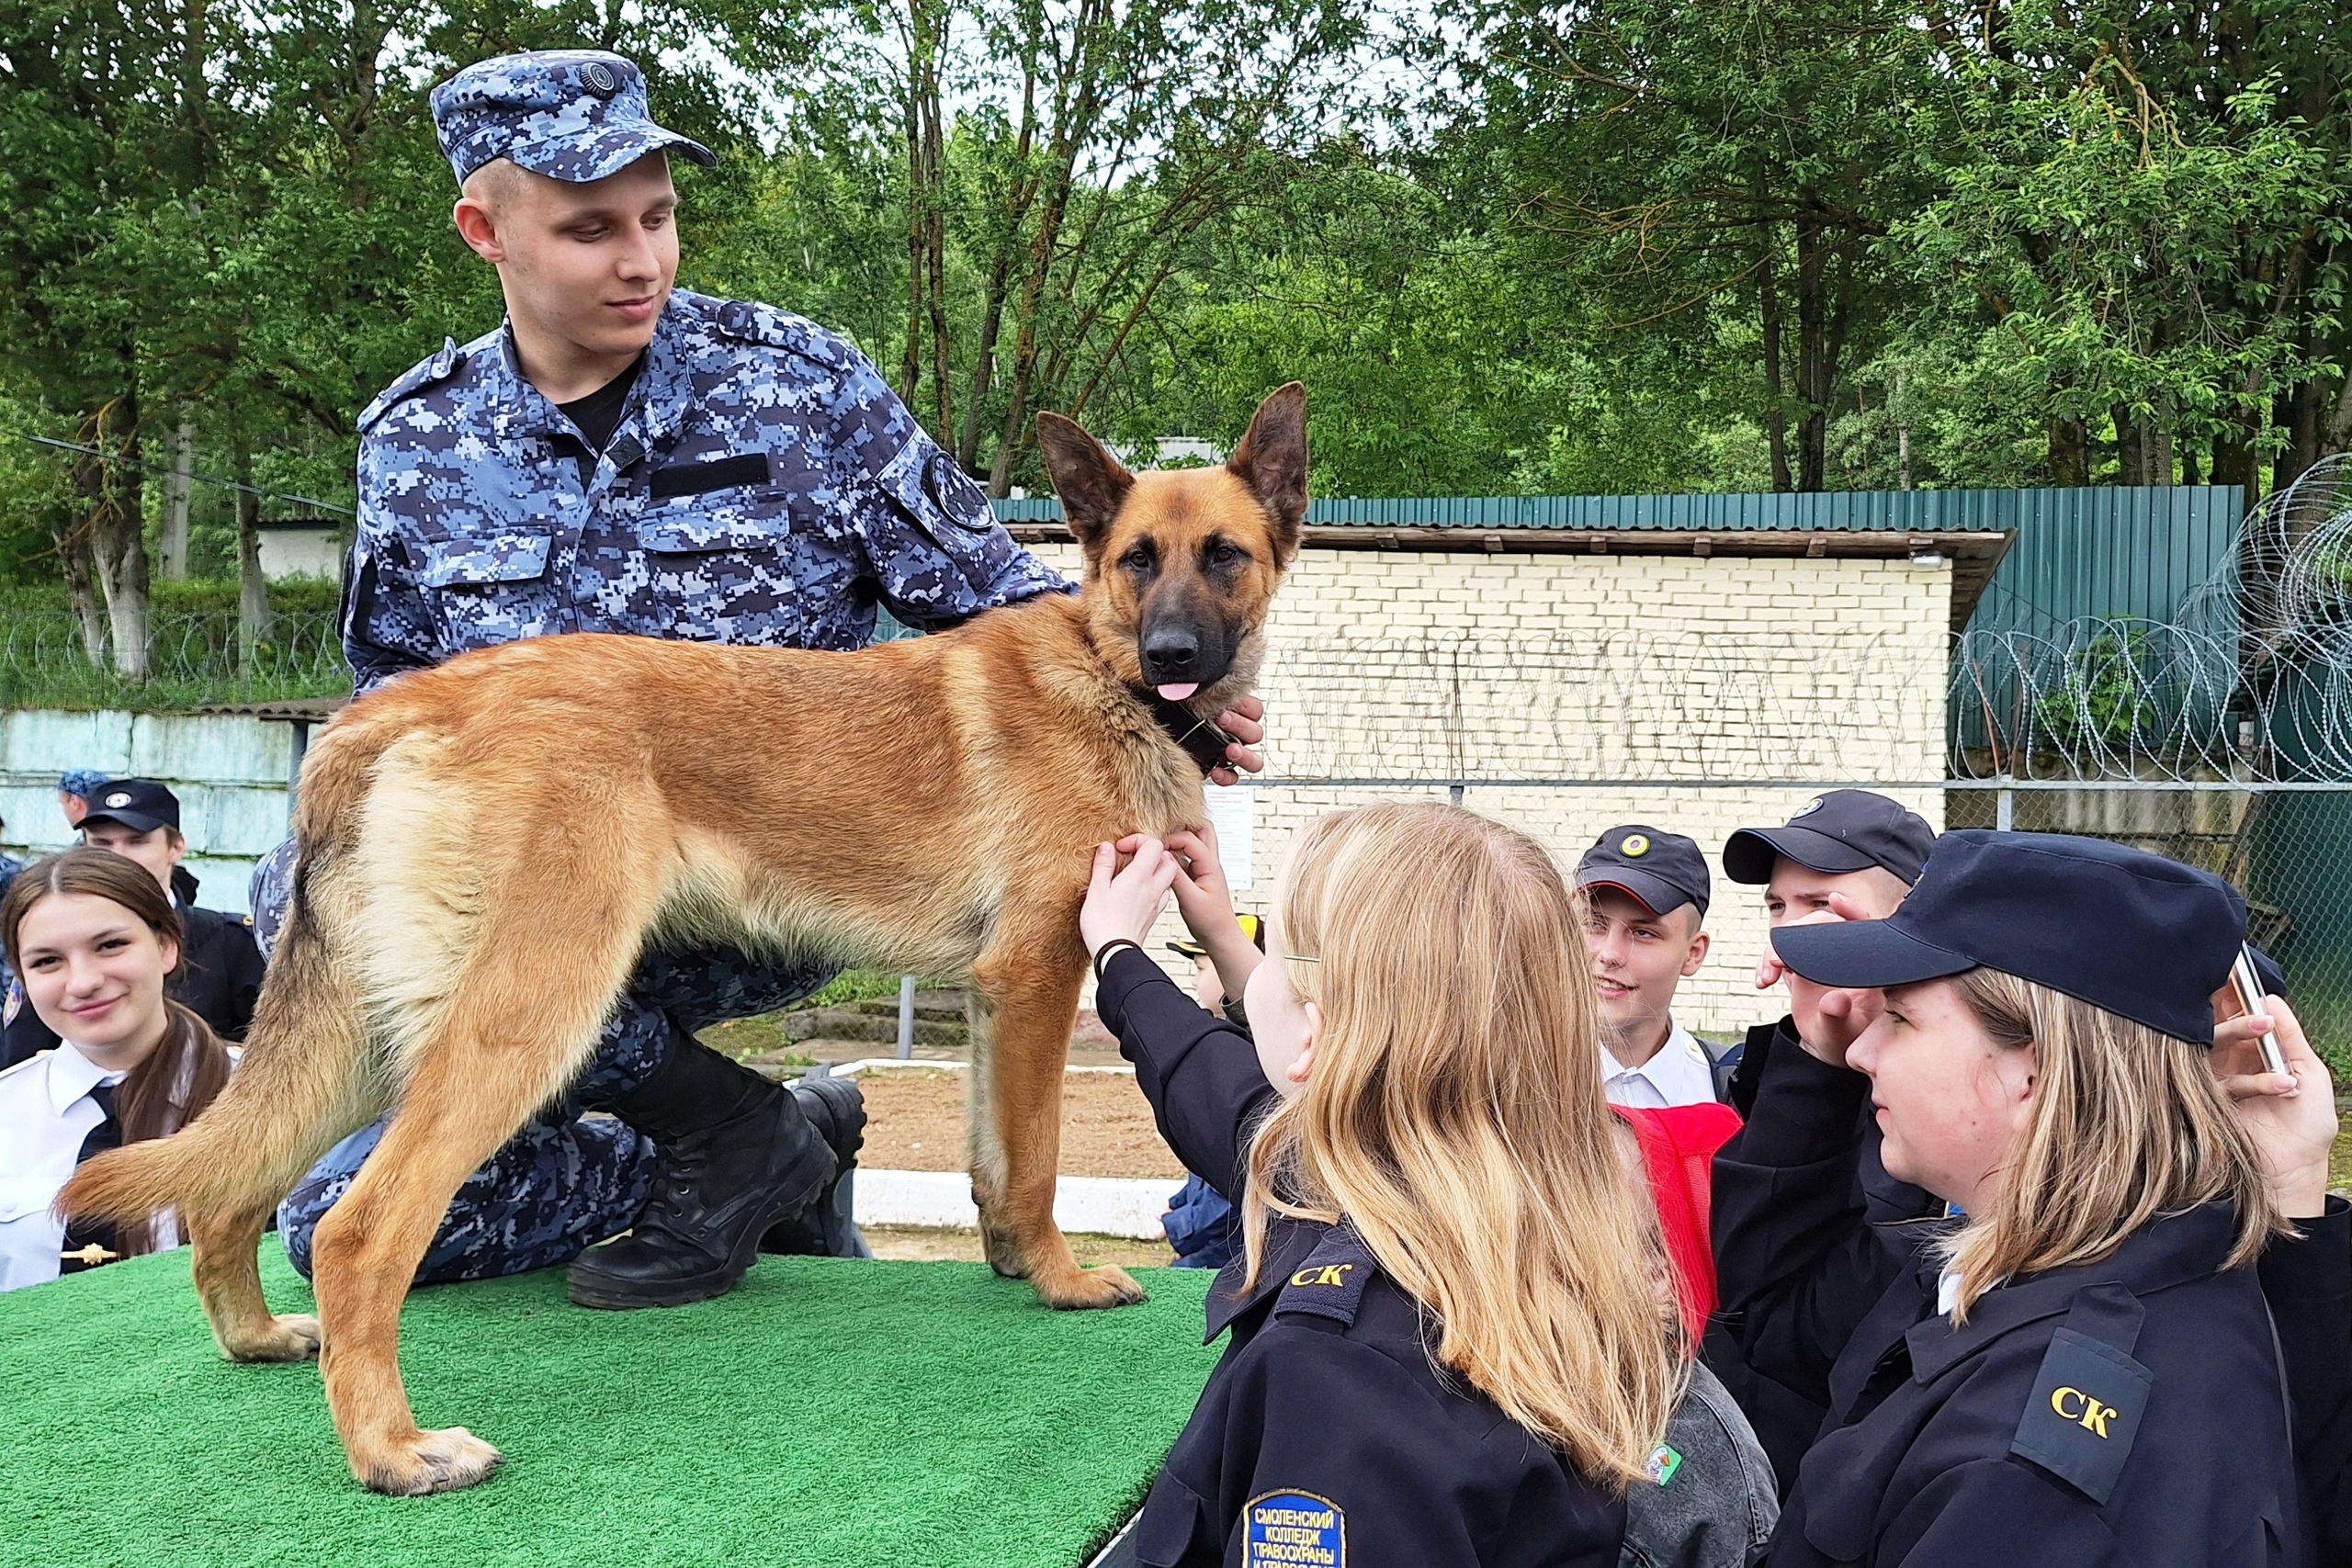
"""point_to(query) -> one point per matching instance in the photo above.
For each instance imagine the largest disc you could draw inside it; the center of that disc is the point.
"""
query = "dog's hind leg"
(1029, 980)
(517, 1028)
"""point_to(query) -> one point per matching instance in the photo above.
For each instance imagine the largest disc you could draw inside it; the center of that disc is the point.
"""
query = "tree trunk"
(2234, 461)
(2303, 412)
(1813, 369)
(176, 488)
(1005, 247)
(252, 590)
(2130, 457)
(80, 582)
(117, 532)
(2070, 452)
(1768, 298)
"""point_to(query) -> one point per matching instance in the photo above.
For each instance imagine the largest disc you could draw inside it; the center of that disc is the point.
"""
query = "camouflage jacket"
(763, 486)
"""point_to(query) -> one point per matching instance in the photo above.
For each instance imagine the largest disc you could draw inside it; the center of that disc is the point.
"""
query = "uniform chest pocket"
(481, 560)
(717, 570)
(486, 588)
(23, 1197)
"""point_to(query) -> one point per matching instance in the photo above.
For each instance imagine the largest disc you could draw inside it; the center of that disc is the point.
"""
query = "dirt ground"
(915, 1122)
(909, 1244)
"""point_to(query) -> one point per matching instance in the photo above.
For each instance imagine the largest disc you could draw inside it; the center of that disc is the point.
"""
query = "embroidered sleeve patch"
(2084, 1413)
(1290, 1529)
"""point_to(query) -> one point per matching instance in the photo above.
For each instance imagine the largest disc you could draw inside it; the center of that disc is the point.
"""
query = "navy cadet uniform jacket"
(1784, 1419)
(1324, 1437)
(763, 486)
(2128, 1412)
(219, 980)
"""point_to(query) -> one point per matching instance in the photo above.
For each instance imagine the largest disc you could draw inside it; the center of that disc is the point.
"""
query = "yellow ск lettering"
(1330, 1274)
(2088, 1414)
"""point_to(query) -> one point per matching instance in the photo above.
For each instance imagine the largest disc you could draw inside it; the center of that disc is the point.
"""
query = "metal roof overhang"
(1974, 555)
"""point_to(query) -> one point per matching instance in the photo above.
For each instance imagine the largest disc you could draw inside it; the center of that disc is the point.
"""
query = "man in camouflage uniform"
(621, 457)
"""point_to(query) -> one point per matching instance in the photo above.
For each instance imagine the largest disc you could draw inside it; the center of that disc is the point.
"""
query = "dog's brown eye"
(1225, 554)
(1137, 559)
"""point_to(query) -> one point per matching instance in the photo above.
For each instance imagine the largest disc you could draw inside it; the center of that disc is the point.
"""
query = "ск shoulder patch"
(2084, 1413)
(1290, 1529)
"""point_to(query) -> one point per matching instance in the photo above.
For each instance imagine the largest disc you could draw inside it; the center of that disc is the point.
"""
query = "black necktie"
(89, 1243)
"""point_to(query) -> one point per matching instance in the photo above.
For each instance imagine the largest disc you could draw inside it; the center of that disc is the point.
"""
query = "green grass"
(827, 1413)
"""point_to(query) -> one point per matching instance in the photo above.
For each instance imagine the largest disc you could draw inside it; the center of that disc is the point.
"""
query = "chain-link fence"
(195, 659)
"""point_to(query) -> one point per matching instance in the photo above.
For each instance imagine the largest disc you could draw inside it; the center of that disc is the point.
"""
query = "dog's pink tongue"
(1176, 690)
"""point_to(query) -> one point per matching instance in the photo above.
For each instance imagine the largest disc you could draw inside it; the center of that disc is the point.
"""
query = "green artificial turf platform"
(827, 1414)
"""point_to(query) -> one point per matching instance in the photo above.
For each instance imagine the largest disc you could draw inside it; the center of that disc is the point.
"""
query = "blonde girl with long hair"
(1448, 1345)
(2076, 1366)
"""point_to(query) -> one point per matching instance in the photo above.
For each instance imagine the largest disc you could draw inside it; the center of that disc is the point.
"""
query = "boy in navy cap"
(1645, 896)
(1850, 842)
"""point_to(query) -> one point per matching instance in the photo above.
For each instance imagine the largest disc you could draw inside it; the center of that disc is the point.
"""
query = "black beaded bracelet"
(1109, 948)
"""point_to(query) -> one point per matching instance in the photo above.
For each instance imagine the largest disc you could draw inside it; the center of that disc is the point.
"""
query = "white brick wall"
(1623, 668)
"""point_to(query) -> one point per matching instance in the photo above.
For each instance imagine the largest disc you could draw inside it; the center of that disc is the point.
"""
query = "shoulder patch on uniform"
(750, 321)
(2084, 1413)
(1330, 1283)
(1292, 1529)
(423, 374)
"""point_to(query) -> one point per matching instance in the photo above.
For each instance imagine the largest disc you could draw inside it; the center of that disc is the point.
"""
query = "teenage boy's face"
(1796, 891)
(157, 849)
(590, 265)
(1638, 958)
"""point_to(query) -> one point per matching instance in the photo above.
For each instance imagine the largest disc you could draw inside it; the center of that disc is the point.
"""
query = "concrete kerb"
(942, 1200)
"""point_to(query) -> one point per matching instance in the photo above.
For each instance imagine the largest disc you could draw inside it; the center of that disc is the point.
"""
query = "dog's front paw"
(1083, 1289)
(446, 1461)
(294, 1337)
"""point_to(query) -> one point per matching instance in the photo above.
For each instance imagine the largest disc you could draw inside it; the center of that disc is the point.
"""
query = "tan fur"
(485, 848)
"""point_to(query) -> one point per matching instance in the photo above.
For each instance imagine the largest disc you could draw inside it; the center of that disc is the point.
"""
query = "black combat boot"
(826, 1228)
(733, 1155)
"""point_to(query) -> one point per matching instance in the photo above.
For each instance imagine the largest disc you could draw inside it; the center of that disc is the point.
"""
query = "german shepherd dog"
(929, 806)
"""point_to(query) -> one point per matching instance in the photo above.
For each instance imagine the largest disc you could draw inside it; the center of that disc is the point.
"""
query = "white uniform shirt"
(1678, 1075)
(45, 1111)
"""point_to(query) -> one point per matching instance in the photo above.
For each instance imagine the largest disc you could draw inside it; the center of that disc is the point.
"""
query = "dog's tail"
(305, 1080)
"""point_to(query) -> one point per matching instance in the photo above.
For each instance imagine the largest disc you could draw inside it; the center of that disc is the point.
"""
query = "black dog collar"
(1201, 740)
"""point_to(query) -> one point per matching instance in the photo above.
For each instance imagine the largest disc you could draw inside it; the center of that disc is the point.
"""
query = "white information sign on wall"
(1233, 813)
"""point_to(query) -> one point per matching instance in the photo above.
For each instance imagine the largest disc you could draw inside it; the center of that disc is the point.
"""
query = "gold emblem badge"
(1635, 846)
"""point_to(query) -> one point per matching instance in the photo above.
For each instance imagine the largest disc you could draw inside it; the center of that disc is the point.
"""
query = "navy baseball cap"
(140, 805)
(1846, 829)
(1662, 872)
(570, 114)
(2123, 929)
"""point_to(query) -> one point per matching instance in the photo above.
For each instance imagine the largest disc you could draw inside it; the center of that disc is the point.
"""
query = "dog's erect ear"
(1089, 480)
(1271, 460)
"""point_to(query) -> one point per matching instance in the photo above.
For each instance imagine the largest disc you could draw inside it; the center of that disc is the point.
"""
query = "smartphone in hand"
(2249, 987)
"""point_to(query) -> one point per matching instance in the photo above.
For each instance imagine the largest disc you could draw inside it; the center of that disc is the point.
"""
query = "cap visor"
(1864, 953)
(1748, 854)
(130, 819)
(605, 154)
(1654, 893)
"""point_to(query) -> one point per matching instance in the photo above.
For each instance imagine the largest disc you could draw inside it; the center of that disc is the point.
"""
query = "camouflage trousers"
(566, 1181)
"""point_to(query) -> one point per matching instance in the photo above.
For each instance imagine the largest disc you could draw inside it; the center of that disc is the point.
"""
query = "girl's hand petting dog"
(1122, 902)
(1204, 899)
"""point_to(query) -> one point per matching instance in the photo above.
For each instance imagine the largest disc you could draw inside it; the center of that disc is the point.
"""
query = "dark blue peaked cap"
(2134, 933)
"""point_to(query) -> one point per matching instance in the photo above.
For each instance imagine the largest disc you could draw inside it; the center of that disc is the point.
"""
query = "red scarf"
(1678, 1146)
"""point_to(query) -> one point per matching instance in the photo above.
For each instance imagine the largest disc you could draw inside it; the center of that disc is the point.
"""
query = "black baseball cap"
(2123, 929)
(1662, 872)
(1252, 927)
(1846, 829)
(139, 805)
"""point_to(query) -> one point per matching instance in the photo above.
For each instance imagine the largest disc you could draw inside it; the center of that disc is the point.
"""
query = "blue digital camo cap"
(570, 114)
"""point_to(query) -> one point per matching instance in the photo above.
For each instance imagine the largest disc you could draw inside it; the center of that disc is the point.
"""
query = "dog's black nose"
(1171, 654)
